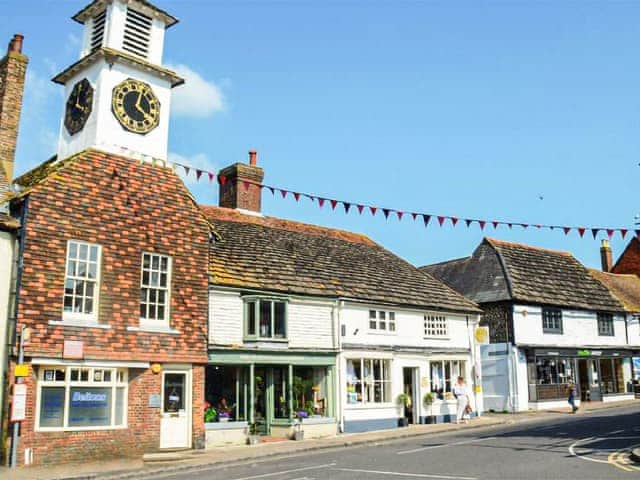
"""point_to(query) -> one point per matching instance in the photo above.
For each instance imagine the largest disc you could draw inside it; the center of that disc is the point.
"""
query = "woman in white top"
(461, 392)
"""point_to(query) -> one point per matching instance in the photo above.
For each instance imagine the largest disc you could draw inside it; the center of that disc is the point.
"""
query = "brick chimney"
(234, 192)
(606, 256)
(13, 68)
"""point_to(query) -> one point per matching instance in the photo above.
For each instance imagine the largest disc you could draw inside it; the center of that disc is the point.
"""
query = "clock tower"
(118, 94)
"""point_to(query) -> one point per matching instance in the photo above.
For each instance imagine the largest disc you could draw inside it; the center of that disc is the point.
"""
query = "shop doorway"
(271, 397)
(409, 376)
(589, 380)
(175, 422)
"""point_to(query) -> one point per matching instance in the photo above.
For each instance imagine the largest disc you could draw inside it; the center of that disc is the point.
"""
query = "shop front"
(599, 374)
(268, 394)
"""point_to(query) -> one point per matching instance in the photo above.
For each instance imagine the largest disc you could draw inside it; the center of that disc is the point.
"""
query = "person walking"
(461, 393)
(572, 391)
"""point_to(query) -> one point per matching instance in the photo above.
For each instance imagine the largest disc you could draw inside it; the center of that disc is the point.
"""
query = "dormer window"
(137, 33)
(97, 33)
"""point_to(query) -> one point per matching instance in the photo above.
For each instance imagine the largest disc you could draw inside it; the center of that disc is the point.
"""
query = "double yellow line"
(621, 460)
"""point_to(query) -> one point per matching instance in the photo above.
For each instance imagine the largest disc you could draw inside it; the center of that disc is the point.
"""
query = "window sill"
(78, 323)
(265, 340)
(434, 337)
(78, 429)
(551, 332)
(384, 334)
(151, 329)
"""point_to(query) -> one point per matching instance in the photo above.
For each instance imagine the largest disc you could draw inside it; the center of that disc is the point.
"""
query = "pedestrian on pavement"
(572, 391)
(461, 392)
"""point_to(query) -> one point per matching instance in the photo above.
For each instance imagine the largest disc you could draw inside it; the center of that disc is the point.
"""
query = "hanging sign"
(481, 335)
(21, 370)
(584, 353)
(19, 403)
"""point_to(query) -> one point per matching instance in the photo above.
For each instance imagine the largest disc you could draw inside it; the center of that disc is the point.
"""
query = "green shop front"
(267, 394)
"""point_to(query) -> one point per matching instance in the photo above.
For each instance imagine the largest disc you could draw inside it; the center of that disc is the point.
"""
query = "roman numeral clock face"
(136, 106)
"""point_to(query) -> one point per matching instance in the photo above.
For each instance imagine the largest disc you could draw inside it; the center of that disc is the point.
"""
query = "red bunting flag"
(482, 224)
(454, 220)
(495, 224)
(623, 232)
(594, 232)
(524, 225)
(211, 175)
(283, 193)
(198, 174)
(320, 202)
(360, 208)
(566, 230)
(441, 220)
(373, 210)
(538, 226)
(581, 231)
(333, 204)
(386, 212)
(425, 219)
(399, 213)
(610, 232)
(468, 222)
(346, 206)
(414, 215)
(245, 184)
(222, 179)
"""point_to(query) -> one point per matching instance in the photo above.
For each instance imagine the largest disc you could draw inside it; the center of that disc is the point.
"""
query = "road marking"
(430, 447)
(621, 460)
(575, 444)
(615, 432)
(265, 475)
(400, 474)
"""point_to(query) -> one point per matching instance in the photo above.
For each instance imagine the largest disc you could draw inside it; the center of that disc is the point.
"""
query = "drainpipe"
(338, 368)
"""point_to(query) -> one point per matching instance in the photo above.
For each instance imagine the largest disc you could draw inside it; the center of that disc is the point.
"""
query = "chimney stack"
(241, 186)
(606, 256)
(13, 68)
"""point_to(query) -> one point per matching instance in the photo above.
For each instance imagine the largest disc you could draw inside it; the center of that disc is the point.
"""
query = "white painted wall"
(633, 323)
(580, 329)
(310, 322)
(7, 244)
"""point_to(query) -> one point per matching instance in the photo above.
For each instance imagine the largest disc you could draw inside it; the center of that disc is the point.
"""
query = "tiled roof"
(629, 261)
(551, 277)
(499, 271)
(98, 5)
(7, 222)
(272, 254)
(626, 288)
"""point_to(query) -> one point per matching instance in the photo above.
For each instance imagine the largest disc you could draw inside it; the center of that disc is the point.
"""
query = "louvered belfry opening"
(97, 35)
(137, 33)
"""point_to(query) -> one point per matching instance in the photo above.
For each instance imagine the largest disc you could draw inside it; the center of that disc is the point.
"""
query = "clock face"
(136, 106)
(78, 107)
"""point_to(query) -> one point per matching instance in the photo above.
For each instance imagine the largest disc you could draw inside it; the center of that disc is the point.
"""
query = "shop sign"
(481, 335)
(19, 403)
(154, 400)
(21, 370)
(584, 353)
(72, 349)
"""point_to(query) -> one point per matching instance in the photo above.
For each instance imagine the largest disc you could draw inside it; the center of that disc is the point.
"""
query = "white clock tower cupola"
(118, 95)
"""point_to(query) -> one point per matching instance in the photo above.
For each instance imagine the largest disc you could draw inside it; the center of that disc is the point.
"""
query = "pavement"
(229, 457)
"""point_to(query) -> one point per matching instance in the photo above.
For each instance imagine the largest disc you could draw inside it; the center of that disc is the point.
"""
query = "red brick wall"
(234, 193)
(128, 208)
(629, 261)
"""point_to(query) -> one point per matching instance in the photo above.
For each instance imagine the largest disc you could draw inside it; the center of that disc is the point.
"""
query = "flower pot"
(223, 419)
(403, 422)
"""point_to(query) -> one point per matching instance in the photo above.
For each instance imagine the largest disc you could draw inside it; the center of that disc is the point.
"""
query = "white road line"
(463, 442)
(574, 444)
(615, 431)
(265, 475)
(400, 474)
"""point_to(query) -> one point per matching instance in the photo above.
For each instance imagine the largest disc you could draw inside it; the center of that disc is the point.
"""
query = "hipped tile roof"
(500, 270)
(266, 253)
(626, 288)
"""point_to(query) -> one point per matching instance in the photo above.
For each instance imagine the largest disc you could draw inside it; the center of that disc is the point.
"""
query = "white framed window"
(382, 320)
(444, 374)
(155, 289)
(81, 281)
(368, 381)
(76, 397)
(265, 318)
(605, 325)
(436, 326)
(552, 320)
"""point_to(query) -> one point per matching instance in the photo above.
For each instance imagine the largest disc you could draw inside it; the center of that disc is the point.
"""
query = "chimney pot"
(253, 157)
(606, 256)
(15, 45)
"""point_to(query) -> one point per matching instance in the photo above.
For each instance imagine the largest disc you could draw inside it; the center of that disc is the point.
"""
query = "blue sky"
(471, 109)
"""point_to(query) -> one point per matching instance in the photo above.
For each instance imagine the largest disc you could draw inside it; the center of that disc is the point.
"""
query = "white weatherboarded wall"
(6, 259)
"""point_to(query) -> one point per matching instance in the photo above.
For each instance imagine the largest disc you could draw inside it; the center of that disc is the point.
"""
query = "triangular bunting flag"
(482, 224)
(273, 190)
(538, 226)
(581, 231)
(186, 169)
(510, 225)
(373, 210)
(320, 202)
(283, 193)
(425, 219)
(454, 221)
(566, 230)
(346, 206)
(638, 234)
(360, 208)
(414, 215)
(495, 224)
(211, 176)
(594, 232)
(386, 212)
(222, 179)
(610, 232)
(468, 222)
(296, 195)
(524, 225)
(198, 174)
(623, 232)
(333, 204)
(399, 214)
(441, 220)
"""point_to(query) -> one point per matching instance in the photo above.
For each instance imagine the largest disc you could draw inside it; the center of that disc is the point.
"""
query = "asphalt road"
(581, 446)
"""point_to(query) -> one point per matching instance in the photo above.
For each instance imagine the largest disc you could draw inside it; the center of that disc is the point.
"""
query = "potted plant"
(404, 401)
(224, 416)
(254, 437)
(210, 413)
(428, 400)
(298, 432)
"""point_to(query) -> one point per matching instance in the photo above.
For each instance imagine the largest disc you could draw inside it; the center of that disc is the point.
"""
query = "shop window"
(368, 381)
(436, 326)
(443, 376)
(382, 320)
(154, 288)
(81, 283)
(605, 325)
(310, 391)
(227, 393)
(78, 398)
(266, 319)
(551, 320)
(612, 376)
(280, 392)
(554, 370)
